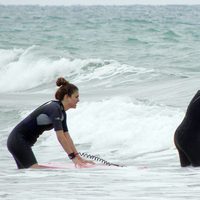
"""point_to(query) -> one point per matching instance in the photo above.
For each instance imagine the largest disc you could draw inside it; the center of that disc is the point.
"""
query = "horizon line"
(137, 4)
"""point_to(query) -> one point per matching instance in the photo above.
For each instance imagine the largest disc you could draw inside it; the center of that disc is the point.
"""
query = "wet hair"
(65, 87)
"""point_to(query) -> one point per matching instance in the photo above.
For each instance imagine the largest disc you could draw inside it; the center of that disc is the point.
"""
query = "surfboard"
(72, 166)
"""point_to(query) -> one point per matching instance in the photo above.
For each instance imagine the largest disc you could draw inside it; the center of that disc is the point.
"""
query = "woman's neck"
(65, 105)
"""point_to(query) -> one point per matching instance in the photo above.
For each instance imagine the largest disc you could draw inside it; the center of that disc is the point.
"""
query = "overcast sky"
(97, 2)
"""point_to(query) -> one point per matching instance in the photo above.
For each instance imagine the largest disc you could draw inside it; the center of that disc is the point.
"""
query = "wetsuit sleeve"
(56, 117)
(64, 123)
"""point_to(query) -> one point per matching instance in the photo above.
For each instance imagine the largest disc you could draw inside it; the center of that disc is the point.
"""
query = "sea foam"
(121, 125)
(27, 69)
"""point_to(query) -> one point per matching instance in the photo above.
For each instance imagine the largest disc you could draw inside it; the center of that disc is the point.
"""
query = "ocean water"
(137, 69)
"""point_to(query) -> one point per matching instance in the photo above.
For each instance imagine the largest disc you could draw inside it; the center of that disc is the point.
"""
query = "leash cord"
(96, 158)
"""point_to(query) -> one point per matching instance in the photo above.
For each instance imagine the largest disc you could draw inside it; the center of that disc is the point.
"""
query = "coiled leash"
(96, 158)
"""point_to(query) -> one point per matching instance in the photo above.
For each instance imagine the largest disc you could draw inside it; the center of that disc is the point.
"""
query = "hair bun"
(61, 81)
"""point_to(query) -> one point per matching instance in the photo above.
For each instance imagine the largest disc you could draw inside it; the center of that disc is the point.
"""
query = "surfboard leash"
(98, 159)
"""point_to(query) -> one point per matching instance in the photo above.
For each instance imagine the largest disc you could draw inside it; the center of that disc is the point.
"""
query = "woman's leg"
(184, 159)
(21, 151)
(193, 151)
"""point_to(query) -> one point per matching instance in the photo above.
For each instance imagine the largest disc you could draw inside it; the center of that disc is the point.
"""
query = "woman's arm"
(71, 143)
(70, 148)
(68, 145)
(64, 141)
(68, 137)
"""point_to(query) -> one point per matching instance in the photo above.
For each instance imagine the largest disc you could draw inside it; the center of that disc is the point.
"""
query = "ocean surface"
(137, 67)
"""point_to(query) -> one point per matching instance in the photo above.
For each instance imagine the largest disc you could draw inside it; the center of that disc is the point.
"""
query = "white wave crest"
(26, 69)
(120, 124)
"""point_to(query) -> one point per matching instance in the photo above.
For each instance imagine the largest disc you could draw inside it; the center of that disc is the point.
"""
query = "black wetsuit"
(187, 135)
(46, 117)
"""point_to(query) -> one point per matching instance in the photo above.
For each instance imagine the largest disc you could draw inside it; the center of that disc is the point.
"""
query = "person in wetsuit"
(50, 115)
(187, 135)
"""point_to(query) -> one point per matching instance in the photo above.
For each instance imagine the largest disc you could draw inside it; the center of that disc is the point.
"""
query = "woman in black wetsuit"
(187, 135)
(48, 116)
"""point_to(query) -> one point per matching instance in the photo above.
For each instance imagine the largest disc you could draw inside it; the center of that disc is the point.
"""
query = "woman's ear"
(66, 97)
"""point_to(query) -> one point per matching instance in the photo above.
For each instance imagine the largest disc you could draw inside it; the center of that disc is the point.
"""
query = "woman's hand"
(80, 162)
(86, 161)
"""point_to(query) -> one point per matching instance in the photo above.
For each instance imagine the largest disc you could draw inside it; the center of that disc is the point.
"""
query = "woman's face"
(73, 100)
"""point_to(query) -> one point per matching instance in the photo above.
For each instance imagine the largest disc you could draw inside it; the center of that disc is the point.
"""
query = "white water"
(25, 69)
(118, 119)
(137, 69)
(120, 130)
(122, 117)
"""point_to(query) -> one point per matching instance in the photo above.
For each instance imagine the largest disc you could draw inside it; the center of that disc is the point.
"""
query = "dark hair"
(65, 87)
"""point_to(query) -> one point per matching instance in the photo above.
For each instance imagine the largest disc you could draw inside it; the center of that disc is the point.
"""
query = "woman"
(187, 135)
(47, 116)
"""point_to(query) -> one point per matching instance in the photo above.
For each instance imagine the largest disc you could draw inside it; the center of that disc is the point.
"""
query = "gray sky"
(97, 2)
